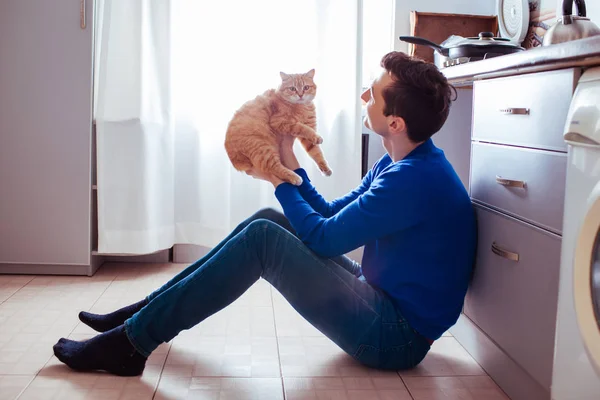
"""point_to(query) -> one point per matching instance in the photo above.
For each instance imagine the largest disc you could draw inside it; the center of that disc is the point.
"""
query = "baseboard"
(47, 269)
(188, 253)
(159, 257)
(97, 262)
(507, 374)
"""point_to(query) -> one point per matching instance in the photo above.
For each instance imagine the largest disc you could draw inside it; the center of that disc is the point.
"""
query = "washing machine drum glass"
(595, 279)
(586, 281)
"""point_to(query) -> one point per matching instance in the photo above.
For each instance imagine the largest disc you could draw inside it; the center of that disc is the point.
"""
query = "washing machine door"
(586, 279)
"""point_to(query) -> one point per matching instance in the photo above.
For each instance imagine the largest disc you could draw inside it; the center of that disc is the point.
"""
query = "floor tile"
(238, 341)
(223, 356)
(46, 302)
(446, 358)
(74, 385)
(57, 381)
(259, 295)
(133, 282)
(23, 353)
(256, 348)
(346, 388)
(130, 284)
(459, 388)
(236, 321)
(205, 388)
(11, 386)
(319, 357)
(10, 284)
(40, 313)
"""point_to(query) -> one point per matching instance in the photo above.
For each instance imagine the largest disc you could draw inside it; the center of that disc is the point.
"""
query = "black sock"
(110, 351)
(106, 322)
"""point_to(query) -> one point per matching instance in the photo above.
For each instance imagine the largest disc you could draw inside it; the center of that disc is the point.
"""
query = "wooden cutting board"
(438, 27)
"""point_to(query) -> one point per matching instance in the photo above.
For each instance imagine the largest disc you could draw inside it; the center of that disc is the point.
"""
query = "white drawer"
(527, 183)
(514, 302)
(544, 96)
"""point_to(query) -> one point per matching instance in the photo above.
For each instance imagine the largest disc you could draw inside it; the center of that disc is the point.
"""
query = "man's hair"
(419, 93)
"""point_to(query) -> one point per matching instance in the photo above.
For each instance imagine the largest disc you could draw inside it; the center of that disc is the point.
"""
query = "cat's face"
(298, 88)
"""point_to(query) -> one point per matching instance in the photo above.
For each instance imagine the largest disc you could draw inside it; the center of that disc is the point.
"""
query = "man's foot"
(106, 322)
(110, 351)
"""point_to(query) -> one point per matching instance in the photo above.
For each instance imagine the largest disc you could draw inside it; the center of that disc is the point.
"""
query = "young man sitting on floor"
(411, 212)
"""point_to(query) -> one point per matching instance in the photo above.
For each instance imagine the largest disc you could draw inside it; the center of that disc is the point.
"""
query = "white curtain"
(169, 76)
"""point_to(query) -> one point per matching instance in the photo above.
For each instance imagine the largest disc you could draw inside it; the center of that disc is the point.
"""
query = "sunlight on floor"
(258, 348)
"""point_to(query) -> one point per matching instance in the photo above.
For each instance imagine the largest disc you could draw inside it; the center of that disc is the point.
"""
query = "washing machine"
(576, 372)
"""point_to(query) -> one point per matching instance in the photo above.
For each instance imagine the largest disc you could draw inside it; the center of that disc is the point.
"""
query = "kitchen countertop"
(582, 52)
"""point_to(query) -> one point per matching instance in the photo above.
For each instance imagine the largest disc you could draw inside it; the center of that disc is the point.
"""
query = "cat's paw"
(294, 179)
(318, 140)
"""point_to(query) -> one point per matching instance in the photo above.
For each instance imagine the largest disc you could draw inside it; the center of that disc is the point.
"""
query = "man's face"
(375, 120)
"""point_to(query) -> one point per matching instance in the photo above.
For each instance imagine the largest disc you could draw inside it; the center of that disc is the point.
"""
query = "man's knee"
(264, 230)
(263, 224)
(275, 216)
(268, 213)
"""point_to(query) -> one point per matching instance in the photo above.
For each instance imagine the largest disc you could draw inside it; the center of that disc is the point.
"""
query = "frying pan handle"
(567, 7)
(424, 42)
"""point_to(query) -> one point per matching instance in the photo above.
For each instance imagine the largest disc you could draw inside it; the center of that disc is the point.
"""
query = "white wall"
(593, 11)
(404, 7)
(592, 6)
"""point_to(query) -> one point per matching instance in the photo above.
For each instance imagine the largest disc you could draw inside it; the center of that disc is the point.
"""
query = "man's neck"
(398, 147)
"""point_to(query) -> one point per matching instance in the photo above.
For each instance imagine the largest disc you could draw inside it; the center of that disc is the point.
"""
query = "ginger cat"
(255, 131)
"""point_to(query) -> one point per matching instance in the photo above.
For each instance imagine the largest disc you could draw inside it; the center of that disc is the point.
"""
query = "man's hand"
(256, 174)
(288, 159)
(286, 152)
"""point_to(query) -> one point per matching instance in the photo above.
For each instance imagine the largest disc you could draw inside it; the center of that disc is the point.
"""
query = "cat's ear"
(284, 76)
(310, 74)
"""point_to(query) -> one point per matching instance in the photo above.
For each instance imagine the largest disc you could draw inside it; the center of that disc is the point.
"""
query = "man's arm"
(310, 193)
(393, 202)
(322, 206)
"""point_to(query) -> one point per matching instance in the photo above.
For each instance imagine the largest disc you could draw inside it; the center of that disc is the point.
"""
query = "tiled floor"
(258, 348)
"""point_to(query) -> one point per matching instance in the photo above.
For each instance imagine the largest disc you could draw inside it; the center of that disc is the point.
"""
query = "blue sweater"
(414, 218)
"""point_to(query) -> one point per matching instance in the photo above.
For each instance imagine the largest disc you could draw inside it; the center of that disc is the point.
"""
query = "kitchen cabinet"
(514, 293)
(454, 138)
(46, 56)
(527, 110)
(526, 183)
(517, 185)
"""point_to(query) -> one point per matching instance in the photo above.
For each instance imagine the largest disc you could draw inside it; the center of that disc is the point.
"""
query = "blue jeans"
(331, 294)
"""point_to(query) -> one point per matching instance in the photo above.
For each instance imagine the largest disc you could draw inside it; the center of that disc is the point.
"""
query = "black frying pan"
(484, 45)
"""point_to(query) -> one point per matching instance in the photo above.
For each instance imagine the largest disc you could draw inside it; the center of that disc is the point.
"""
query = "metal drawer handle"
(510, 182)
(515, 111)
(82, 14)
(504, 253)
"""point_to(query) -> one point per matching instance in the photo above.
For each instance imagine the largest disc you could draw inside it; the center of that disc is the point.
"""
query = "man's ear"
(396, 125)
